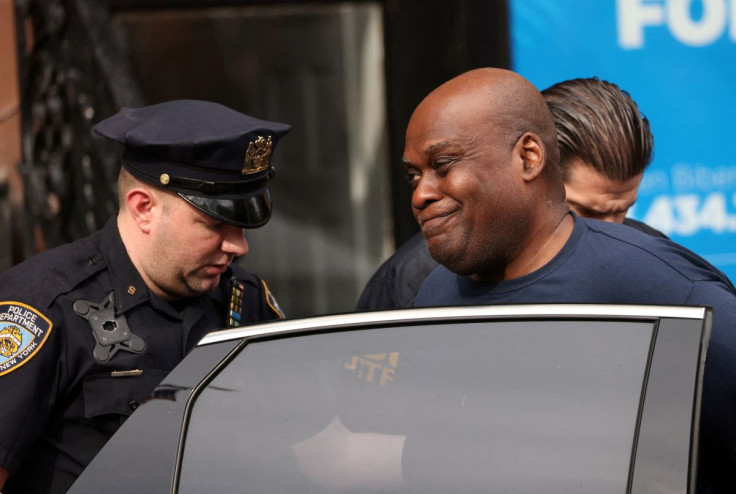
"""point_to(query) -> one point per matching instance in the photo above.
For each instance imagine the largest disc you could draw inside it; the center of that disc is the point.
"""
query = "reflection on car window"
(464, 407)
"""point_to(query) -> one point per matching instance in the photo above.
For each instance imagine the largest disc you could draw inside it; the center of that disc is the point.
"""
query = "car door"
(528, 398)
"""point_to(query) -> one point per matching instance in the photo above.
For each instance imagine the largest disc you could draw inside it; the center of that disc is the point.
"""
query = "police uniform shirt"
(61, 403)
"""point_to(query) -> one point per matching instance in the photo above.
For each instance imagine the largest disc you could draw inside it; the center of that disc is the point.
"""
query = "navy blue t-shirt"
(609, 263)
(396, 282)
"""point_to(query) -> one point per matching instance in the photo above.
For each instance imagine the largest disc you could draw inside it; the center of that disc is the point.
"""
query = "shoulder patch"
(271, 301)
(23, 331)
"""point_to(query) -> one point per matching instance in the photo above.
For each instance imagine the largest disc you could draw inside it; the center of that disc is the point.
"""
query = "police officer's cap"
(215, 158)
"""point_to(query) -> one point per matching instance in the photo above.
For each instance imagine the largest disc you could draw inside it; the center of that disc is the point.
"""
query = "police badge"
(257, 156)
(23, 331)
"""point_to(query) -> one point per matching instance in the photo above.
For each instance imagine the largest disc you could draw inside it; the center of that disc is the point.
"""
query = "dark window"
(466, 407)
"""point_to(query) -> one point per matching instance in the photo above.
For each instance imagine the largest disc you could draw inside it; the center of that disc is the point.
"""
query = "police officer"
(87, 330)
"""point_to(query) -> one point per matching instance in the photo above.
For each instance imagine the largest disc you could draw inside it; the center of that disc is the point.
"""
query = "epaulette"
(51, 273)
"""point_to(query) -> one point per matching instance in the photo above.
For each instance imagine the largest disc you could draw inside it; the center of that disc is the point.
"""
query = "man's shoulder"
(623, 240)
(29, 295)
(52, 272)
(626, 246)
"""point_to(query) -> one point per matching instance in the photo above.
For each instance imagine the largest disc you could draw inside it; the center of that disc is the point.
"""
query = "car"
(556, 398)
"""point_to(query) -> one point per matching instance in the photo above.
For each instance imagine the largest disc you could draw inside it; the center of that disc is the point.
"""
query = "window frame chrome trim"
(420, 315)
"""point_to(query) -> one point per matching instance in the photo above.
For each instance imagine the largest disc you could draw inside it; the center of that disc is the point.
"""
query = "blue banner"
(677, 59)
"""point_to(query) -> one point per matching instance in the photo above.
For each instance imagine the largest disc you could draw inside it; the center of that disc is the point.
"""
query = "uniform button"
(131, 290)
(133, 404)
(92, 260)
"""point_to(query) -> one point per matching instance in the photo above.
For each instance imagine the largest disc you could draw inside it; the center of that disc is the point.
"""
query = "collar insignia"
(258, 156)
(234, 316)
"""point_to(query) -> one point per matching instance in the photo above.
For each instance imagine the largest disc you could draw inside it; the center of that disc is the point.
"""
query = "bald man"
(486, 202)
(488, 193)
(605, 145)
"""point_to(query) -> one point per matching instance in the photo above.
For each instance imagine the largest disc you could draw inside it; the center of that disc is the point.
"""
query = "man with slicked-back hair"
(605, 146)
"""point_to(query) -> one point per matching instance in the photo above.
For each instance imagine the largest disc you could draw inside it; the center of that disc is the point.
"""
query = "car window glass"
(516, 406)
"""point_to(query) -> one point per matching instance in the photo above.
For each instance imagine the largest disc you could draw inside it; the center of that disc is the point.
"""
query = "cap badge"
(258, 156)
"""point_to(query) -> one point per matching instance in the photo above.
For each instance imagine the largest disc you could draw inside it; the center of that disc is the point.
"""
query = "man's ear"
(141, 202)
(533, 155)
